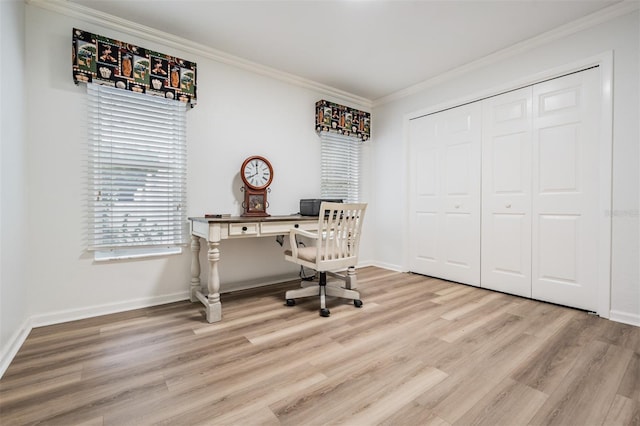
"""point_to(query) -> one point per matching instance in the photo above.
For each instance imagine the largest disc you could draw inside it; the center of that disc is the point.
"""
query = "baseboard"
(261, 282)
(109, 308)
(390, 266)
(258, 282)
(112, 308)
(625, 317)
(15, 343)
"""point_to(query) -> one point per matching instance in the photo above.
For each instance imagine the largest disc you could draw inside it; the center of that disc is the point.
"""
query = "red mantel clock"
(257, 174)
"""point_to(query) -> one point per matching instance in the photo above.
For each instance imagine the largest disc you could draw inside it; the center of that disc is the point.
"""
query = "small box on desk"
(311, 206)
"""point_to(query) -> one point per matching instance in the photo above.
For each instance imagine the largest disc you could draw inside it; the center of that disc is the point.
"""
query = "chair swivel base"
(323, 290)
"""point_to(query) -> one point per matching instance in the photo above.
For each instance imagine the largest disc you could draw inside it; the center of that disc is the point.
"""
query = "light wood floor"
(421, 351)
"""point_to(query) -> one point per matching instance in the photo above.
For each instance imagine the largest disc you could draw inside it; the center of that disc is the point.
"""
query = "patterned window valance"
(331, 117)
(114, 63)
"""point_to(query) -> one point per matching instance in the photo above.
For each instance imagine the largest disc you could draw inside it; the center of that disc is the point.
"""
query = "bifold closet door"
(445, 194)
(566, 117)
(506, 192)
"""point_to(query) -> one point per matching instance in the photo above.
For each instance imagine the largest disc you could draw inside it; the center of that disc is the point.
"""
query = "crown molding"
(596, 18)
(93, 16)
(125, 26)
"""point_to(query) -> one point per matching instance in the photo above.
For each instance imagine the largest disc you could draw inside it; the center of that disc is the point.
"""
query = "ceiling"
(370, 49)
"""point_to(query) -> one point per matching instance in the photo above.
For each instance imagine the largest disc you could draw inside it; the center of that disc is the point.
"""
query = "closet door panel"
(424, 182)
(565, 190)
(506, 193)
(426, 249)
(511, 262)
(445, 194)
(461, 193)
(558, 240)
(459, 255)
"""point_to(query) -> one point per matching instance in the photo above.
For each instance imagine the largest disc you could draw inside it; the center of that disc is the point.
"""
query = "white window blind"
(340, 167)
(137, 171)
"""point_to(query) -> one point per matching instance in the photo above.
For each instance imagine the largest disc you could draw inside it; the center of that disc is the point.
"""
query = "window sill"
(134, 253)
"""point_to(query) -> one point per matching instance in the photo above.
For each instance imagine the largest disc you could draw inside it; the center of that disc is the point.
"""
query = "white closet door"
(506, 192)
(565, 189)
(425, 198)
(445, 188)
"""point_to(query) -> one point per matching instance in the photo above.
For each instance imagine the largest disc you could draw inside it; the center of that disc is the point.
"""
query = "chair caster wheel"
(357, 303)
(324, 312)
(291, 302)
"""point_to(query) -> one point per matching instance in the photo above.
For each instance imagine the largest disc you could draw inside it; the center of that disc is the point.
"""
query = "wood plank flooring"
(421, 351)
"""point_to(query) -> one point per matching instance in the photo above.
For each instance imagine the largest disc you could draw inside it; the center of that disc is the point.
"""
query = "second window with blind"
(340, 167)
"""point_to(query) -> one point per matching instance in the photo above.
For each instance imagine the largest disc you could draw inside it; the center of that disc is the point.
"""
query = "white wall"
(621, 35)
(239, 113)
(13, 182)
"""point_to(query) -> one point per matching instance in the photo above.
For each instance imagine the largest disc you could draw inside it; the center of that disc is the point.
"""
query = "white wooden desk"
(214, 230)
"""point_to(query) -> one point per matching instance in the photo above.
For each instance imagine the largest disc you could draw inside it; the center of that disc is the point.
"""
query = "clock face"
(257, 172)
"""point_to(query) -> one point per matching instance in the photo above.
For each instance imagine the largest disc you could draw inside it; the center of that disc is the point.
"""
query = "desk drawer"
(277, 228)
(236, 229)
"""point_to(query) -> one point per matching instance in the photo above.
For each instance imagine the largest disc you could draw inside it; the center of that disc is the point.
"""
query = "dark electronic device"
(311, 206)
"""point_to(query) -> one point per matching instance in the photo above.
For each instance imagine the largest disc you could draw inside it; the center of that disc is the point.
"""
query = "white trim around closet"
(605, 62)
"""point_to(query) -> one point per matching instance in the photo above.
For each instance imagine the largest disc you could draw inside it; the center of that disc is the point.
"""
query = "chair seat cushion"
(304, 253)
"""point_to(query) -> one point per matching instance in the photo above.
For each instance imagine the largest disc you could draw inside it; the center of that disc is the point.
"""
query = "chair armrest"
(292, 238)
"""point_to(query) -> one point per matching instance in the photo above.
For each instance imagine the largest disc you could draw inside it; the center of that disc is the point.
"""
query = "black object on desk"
(311, 206)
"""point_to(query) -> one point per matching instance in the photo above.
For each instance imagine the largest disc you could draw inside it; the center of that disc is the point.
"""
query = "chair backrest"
(340, 225)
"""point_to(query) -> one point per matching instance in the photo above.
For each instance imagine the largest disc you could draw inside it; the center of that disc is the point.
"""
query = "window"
(137, 173)
(340, 167)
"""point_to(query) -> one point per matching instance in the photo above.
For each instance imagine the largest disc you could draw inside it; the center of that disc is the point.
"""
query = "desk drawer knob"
(244, 229)
(296, 226)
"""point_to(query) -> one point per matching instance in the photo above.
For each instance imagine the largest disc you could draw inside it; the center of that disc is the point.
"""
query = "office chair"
(335, 248)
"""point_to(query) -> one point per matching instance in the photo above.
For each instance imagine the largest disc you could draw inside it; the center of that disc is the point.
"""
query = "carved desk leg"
(214, 307)
(195, 267)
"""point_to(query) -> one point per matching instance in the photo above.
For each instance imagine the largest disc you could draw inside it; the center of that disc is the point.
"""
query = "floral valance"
(331, 117)
(114, 63)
